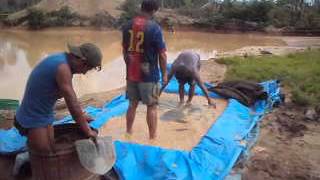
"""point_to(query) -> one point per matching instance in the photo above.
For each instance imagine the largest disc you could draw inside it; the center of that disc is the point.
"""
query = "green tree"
(36, 18)
(15, 5)
(130, 9)
(62, 17)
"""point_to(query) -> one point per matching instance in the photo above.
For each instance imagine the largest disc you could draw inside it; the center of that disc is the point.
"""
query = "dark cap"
(89, 52)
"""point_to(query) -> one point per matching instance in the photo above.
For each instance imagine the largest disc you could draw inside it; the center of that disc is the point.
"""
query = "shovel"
(96, 155)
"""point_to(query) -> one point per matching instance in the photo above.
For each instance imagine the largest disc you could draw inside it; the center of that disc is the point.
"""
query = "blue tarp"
(11, 141)
(212, 158)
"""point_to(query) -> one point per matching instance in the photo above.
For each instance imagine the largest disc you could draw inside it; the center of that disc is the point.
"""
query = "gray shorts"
(147, 92)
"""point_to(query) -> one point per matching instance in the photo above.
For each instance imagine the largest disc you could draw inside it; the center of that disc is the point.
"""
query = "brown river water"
(21, 50)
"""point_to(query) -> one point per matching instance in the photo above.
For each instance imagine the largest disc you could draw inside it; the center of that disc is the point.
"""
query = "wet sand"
(178, 127)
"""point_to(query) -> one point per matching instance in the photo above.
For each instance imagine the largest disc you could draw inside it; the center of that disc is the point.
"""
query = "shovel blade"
(98, 157)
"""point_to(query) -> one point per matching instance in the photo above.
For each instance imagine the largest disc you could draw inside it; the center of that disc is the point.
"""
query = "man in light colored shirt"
(186, 69)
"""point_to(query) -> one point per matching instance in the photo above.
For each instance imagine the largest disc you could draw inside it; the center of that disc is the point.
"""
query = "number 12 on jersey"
(136, 41)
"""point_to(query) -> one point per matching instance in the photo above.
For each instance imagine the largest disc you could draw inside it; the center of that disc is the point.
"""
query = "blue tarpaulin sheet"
(212, 158)
(11, 141)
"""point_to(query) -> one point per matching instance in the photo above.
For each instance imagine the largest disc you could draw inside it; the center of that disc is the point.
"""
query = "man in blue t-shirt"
(49, 81)
(143, 50)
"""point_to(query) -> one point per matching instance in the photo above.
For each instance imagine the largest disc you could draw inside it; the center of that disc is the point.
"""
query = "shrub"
(300, 98)
(130, 9)
(62, 17)
(39, 19)
(103, 19)
(36, 18)
(300, 72)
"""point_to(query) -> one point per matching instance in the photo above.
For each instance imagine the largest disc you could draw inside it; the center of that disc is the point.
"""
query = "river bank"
(288, 146)
(108, 15)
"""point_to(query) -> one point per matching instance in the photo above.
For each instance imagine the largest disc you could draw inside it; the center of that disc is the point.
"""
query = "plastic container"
(7, 111)
(8, 104)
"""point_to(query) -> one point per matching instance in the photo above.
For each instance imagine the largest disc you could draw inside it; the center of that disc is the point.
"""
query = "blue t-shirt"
(41, 93)
(143, 41)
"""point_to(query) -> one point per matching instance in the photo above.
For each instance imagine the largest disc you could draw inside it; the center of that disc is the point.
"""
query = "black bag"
(246, 92)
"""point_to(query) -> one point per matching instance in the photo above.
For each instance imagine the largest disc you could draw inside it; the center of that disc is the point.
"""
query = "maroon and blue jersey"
(143, 42)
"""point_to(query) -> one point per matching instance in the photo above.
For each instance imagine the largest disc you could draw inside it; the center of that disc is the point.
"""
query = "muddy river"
(21, 50)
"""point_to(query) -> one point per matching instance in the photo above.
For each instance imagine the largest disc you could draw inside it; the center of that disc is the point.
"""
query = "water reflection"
(35, 45)
(41, 43)
(22, 50)
(110, 77)
(1, 63)
(14, 70)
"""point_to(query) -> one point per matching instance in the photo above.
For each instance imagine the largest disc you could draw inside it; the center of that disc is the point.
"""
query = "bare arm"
(163, 67)
(125, 54)
(171, 73)
(64, 81)
(124, 44)
(203, 88)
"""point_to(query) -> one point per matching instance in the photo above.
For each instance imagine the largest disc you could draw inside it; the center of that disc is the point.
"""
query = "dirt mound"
(268, 166)
(289, 126)
(288, 147)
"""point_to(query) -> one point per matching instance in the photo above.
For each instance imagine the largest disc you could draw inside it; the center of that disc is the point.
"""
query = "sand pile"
(178, 127)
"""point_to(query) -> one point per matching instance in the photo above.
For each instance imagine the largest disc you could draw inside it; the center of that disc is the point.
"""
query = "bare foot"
(128, 136)
(180, 103)
(153, 142)
(188, 104)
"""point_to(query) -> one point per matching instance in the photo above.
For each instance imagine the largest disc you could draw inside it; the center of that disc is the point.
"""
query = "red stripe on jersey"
(136, 57)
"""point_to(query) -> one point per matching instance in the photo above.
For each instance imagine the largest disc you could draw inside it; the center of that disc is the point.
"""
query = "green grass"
(300, 72)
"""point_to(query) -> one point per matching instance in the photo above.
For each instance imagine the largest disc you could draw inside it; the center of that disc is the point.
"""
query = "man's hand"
(210, 103)
(87, 118)
(92, 134)
(164, 84)
(84, 125)
(164, 80)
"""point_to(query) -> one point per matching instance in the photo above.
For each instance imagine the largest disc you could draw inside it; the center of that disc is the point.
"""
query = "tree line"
(288, 15)
(9, 6)
(292, 15)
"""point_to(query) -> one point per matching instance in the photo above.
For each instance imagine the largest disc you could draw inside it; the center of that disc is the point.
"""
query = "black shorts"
(184, 80)
(23, 131)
